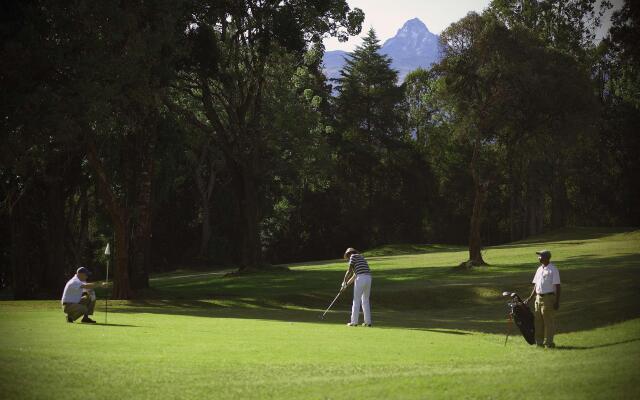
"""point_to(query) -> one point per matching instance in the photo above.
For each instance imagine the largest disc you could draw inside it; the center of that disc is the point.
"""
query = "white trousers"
(361, 291)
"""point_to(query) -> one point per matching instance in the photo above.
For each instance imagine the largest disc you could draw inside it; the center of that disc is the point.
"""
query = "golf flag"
(107, 251)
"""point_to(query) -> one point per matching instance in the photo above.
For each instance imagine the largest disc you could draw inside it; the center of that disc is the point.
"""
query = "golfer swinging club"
(360, 273)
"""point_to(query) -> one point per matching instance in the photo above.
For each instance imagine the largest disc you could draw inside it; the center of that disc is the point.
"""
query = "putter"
(331, 305)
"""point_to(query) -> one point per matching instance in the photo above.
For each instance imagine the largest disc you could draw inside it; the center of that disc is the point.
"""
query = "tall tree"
(497, 79)
(232, 44)
(567, 25)
(616, 166)
(133, 62)
(470, 87)
(370, 117)
(99, 75)
(368, 93)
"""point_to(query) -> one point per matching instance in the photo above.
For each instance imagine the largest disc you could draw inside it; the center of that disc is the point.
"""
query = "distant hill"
(412, 47)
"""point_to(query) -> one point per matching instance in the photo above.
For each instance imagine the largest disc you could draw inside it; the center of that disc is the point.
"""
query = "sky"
(387, 16)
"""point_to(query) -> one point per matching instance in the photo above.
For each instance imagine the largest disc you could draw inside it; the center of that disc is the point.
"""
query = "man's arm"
(557, 303)
(93, 285)
(533, 293)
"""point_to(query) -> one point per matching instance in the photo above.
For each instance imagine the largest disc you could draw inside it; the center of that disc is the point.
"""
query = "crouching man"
(78, 298)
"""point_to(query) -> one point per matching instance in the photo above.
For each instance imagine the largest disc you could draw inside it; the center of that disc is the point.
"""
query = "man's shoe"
(88, 320)
(69, 319)
(352, 324)
(550, 346)
(366, 325)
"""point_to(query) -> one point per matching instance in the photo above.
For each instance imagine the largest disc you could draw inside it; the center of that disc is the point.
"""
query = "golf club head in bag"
(520, 313)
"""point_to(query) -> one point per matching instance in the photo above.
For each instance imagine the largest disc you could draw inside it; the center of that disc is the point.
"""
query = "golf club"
(331, 305)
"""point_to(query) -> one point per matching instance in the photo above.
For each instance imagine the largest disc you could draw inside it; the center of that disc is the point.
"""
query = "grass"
(439, 332)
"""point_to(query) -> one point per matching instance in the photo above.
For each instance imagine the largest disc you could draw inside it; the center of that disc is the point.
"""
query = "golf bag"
(522, 316)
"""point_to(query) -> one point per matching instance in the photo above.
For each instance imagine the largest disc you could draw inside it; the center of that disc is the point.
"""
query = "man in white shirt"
(546, 288)
(78, 298)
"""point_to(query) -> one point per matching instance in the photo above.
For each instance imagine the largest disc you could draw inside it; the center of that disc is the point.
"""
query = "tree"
(625, 34)
(497, 80)
(367, 92)
(567, 25)
(375, 154)
(421, 96)
(99, 73)
(40, 160)
(612, 167)
(132, 61)
(232, 46)
(471, 91)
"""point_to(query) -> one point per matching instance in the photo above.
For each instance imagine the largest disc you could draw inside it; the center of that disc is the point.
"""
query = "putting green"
(439, 333)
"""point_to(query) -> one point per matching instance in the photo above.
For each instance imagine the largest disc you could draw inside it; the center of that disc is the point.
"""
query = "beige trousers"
(545, 319)
(84, 308)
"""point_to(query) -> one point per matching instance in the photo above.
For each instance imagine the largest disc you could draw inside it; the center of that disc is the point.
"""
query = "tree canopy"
(205, 134)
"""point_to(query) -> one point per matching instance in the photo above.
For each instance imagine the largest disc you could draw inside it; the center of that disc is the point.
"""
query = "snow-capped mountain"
(412, 47)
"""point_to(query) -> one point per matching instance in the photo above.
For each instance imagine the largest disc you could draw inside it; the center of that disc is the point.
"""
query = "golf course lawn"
(439, 332)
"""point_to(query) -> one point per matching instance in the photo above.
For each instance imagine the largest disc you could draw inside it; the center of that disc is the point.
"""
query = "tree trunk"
(513, 208)
(480, 196)
(84, 226)
(121, 284)
(248, 198)
(206, 230)
(20, 265)
(515, 203)
(559, 199)
(53, 278)
(535, 206)
(206, 162)
(120, 220)
(475, 238)
(142, 229)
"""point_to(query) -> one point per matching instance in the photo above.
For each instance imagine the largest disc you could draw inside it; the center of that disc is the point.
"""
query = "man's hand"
(556, 305)
(344, 286)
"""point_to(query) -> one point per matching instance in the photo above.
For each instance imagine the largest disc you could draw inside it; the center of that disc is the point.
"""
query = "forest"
(203, 134)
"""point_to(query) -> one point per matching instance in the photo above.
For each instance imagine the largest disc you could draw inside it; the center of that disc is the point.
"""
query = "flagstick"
(106, 297)
(107, 252)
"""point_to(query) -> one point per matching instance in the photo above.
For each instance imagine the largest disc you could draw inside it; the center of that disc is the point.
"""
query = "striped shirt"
(359, 264)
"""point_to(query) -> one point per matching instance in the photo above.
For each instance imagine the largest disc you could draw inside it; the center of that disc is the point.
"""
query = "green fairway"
(438, 331)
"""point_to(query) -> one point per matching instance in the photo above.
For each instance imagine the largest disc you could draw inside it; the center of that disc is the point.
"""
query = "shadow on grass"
(595, 292)
(447, 331)
(114, 325)
(598, 346)
(576, 235)
(412, 249)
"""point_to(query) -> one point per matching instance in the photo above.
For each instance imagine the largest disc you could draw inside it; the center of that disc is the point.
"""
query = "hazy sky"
(387, 16)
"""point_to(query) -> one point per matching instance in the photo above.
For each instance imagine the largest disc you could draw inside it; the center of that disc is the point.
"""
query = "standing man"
(546, 288)
(77, 299)
(360, 273)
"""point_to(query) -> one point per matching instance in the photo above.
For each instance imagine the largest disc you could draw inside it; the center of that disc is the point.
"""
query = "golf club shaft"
(331, 305)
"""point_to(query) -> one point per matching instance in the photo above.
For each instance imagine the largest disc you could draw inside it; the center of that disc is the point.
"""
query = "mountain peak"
(414, 25)
(412, 47)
